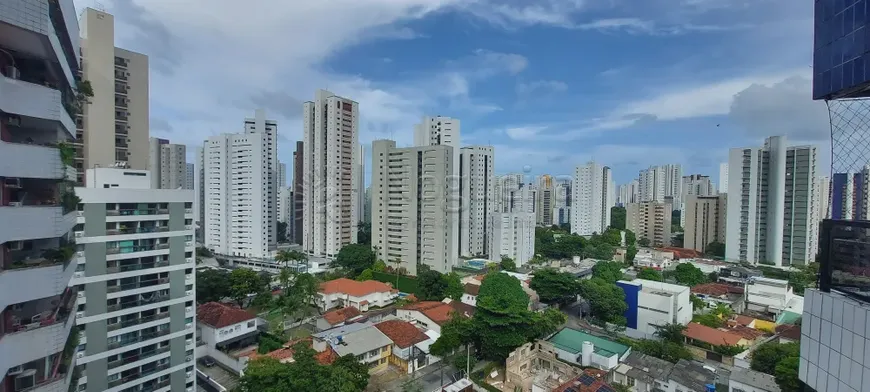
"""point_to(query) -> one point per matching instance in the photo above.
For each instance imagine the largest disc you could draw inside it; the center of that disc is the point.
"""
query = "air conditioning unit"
(13, 120)
(16, 245)
(25, 380)
(12, 72)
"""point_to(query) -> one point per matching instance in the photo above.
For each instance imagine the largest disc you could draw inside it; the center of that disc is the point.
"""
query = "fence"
(407, 284)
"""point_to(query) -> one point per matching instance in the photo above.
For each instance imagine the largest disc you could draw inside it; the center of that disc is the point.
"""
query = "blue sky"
(549, 83)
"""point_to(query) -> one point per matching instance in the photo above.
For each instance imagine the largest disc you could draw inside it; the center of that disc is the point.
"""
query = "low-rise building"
(469, 297)
(652, 303)
(432, 314)
(345, 292)
(691, 376)
(706, 266)
(652, 258)
(368, 344)
(745, 380)
(410, 345)
(592, 380)
(222, 326)
(537, 365)
(720, 293)
(737, 275)
(642, 373)
(336, 318)
(701, 340)
(772, 296)
(583, 349)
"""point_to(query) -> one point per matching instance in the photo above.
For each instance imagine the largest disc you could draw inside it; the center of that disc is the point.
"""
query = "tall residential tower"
(592, 197)
(476, 189)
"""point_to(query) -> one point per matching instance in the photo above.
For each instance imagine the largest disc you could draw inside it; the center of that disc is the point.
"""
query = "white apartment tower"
(199, 191)
(167, 163)
(821, 207)
(241, 190)
(39, 48)
(723, 177)
(359, 179)
(544, 209)
(697, 185)
(592, 196)
(190, 176)
(504, 186)
(476, 190)
(513, 227)
(282, 175)
(770, 203)
(115, 125)
(136, 284)
(411, 220)
(329, 217)
(444, 131)
(561, 203)
(659, 182)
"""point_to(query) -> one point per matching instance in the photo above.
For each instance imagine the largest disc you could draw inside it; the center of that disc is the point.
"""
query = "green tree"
(713, 277)
(431, 286)
(697, 303)
(606, 299)
(355, 257)
(454, 288)
(462, 360)
(367, 274)
(663, 349)
(304, 374)
(688, 275)
(266, 374)
(671, 332)
(412, 386)
(630, 238)
(364, 233)
(298, 292)
(212, 285)
(555, 287)
(767, 356)
(599, 251)
(357, 373)
(711, 320)
(611, 236)
(508, 264)
(607, 270)
(281, 231)
(379, 266)
(715, 249)
(676, 228)
(650, 274)
(630, 252)
(243, 282)
(643, 242)
(675, 215)
(617, 217)
(786, 374)
(203, 252)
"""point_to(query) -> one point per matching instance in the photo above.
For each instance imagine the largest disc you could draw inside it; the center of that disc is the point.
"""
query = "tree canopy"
(508, 264)
(304, 374)
(212, 285)
(431, 286)
(715, 249)
(297, 292)
(364, 233)
(556, 243)
(606, 299)
(643, 242)
(355, 257)
(688, 275)
(243, 282)
(555, 287)
(609, 271)
(650, 274)
(454, 288)
(617, 217)
(780, 361)
(670, 332)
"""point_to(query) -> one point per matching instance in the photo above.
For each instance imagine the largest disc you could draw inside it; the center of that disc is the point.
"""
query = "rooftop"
(402, 333)
(440, 312)
(339, 316)
(359, 341)
(692, 375)
(703, 333)
(571, 340)
(647, 368)
(353, 287)
(592, 380)
(716, 289)
(755, 379)
(472, 289)
(218, 315)
(325, 357)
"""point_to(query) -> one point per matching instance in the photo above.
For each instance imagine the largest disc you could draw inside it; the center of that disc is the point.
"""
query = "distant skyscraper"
(704, 221)
(411, 222)
(821, 208)
(167, 164)
(476, 190)
(298, 192)
(561, 201)
(513, 228)
(770, 206)
(190, 176)
(199, 200)
(593, 195)
(360, 181)
(650, 220)
(659, 182)
(444, 131)
(723, 177)
(330, 216)
(698, 185)
(849, 195)
(544, 209)
(282, 175)
(241, 189)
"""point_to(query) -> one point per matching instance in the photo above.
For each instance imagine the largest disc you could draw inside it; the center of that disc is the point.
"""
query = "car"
(208, 361)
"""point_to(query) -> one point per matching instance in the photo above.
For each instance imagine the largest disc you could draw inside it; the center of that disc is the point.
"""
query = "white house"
(221, 325)
(432, 314)
(469, 297)
(745, 380)
(345, 292)
(772, 296)
(652, 303)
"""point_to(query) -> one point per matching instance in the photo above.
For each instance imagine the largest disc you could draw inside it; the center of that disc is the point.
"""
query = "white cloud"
(541, 86)
(782, 108)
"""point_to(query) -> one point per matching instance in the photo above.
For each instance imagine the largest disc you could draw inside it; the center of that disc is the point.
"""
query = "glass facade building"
(841, 51)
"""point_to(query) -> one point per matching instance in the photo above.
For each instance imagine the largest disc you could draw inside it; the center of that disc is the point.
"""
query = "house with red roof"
(337, 317)
(701, 339)
(225, 327)
(433, 314)
(345, 292)
(410, 345)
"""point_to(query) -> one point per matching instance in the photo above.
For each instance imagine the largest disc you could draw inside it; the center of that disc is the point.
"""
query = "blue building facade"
(841, 49)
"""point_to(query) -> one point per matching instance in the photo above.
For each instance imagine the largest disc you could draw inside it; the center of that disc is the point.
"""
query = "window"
(251, 323)
(629, 381)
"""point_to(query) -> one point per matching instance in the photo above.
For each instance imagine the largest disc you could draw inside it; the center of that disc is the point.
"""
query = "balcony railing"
(137, 321)
(137, 285)
(18, 322)
(137, 230)
(39, 258)
(844, 265)
(136, 211)
(149, 387)
(138, 374)
(138, 357)
(141, 338)
(136, 267)
(139, 302)
(131, 249)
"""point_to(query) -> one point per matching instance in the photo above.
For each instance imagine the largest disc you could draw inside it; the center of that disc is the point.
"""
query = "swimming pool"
(478, 264)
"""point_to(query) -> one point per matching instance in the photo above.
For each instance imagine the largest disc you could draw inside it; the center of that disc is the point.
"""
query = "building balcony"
(132, 375)
(31, 160)
(137, 285)
(129, 322)
(137, 211)
(32, 220)
(145, 300)
(38, 105)
(113, 269)
(144, 336)
(149, 386)
(35, 273)
(24, 320)
(137, 355)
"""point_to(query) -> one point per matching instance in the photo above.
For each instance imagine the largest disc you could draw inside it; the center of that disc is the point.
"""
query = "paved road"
(429, 378)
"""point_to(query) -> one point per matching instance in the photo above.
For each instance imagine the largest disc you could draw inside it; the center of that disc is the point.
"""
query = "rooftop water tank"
(586, 354)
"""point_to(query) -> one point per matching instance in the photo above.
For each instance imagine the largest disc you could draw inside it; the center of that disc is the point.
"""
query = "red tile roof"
(682, 253)
(402, 333)
(439, 312)
(747, 333)
(340, 315)
(472, 289)
(463, 308)
(326, 357)
(743, 320)
(703, 333)
(716, 289)
(354, 288)
(792, 332)
(218, 315)
(582, 384)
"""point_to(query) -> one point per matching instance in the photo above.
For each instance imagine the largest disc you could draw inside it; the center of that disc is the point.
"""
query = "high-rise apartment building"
(135, 280)
(167, 163)
(285, 205)
(115, 126)
(659, 182)
(674, 185)
(849, 195)
(698, 185)
(241, 189)
(329, 212)
(628, 193)
(199, 192)
(770, 203)
(282, 175)
(38, 68)
(704, 221)
(544, 209)
(411, 220)
(359, 179)
(437, 131)
(504, 186)
(298, 197)
(190, 176)
(562, 203)
(650, 220)
(476, 190)
(723, 177)
(513, 228)
(592, 196)
(821, 207)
